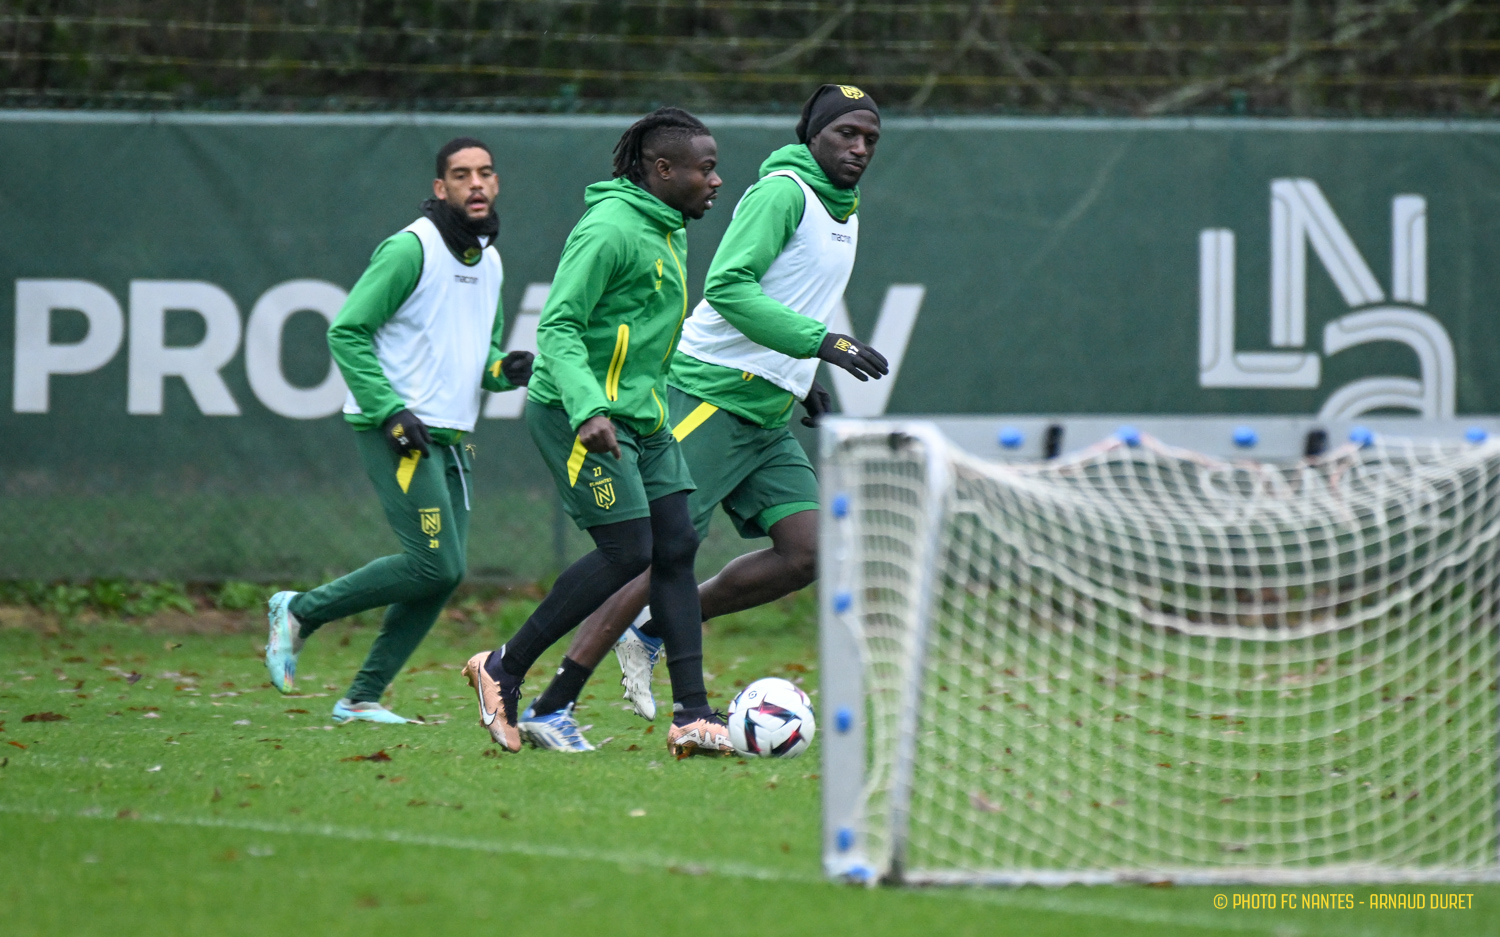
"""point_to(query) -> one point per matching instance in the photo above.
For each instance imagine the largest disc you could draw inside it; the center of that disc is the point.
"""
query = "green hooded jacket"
(615, 311)
(764, 221)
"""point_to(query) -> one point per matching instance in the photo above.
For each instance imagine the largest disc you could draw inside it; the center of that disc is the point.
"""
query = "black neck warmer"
(459, 232)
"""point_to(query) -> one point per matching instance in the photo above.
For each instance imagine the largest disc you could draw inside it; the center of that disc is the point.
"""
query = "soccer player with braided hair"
(748, 353)
(597, 411)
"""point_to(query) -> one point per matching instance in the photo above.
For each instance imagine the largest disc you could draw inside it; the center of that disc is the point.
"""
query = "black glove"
(853, 356)
(516, 367)
(817, 402)
(405, 434)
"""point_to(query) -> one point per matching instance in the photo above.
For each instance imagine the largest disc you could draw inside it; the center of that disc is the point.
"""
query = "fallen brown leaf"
(44, 717)
(378, 756)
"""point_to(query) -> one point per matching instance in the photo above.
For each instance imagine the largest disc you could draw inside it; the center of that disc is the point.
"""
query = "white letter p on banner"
(38, 358)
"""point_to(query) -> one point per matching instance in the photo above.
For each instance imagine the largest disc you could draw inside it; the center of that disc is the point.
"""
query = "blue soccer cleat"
(284, 641)
(557, 731)
(345, 712)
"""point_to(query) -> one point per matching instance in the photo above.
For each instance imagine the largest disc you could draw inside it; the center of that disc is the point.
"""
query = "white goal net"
(1141, 663)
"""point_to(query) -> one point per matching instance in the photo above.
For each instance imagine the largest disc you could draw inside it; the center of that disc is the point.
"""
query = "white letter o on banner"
(263, 350)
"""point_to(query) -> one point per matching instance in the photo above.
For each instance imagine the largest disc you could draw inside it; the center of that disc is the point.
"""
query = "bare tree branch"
(966, 41)
(814, 39)
(1373, 19)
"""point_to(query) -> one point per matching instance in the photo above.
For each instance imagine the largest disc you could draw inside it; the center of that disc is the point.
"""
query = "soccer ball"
(771, 718)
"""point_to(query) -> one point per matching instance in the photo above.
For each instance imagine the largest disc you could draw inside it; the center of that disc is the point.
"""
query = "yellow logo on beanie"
(851, 92)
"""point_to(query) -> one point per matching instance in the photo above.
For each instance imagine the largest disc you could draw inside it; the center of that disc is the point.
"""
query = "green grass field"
(195, 800)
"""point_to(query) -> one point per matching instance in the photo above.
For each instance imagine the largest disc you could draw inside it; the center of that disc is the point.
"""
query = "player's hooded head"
(840, 125)
(670, 154)
(466, 178)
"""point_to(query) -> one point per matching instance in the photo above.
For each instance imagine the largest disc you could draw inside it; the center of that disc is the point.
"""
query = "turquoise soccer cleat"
(284, 641)
(345, 712)
(557, 731)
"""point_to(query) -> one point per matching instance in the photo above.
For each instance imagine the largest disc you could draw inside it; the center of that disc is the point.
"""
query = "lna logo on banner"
(1300, 215)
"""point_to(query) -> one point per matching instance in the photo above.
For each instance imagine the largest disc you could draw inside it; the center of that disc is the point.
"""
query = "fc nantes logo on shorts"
(604, 492)
(432, 524)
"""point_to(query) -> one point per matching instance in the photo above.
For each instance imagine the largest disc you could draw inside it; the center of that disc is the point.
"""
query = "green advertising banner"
(168, 280)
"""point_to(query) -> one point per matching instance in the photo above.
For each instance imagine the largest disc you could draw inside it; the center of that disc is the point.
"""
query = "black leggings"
(667, 543)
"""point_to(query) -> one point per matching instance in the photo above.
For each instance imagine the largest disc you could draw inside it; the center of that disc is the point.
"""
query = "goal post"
(1141, 663)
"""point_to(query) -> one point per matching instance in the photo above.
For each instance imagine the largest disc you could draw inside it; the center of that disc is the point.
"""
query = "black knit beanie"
(829, 103)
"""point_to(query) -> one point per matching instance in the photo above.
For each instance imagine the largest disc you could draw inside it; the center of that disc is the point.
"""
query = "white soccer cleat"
(556, 731)
(345, 712)
(638, 655)
(284, 641)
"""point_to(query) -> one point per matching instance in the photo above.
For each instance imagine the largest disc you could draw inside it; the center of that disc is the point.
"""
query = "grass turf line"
(254, 821)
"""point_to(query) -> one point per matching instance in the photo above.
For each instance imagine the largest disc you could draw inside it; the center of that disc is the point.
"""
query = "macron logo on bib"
(465, 279)
(841, 238)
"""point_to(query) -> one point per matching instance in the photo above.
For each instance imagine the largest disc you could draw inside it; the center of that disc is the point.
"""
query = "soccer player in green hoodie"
(598, 413)
(748, 353)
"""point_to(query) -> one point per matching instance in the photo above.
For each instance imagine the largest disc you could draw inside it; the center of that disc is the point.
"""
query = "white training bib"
(434, 349)
(808, 276)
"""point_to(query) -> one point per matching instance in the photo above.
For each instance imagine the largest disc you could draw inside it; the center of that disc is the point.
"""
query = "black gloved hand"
(516, 367)
(853, 356)
(405, 434)
(817, 402)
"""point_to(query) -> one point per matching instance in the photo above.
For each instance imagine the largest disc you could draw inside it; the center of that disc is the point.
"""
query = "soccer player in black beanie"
(829, 103)
(748, 354)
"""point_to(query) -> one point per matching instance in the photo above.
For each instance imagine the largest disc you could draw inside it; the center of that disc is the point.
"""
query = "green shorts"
(597, 488)
(759, 475)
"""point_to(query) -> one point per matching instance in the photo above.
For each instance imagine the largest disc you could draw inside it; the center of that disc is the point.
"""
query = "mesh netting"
(1086, 56)
(1141, 662)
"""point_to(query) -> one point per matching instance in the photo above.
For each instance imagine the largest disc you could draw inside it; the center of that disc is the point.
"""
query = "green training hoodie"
(615, 311)
(764, 221)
